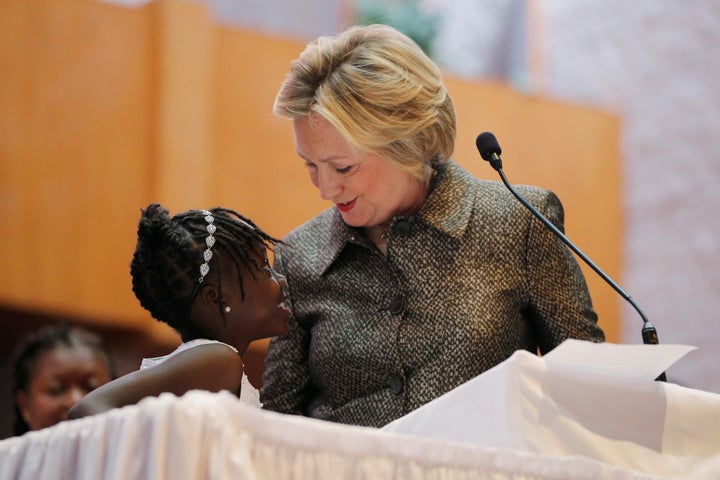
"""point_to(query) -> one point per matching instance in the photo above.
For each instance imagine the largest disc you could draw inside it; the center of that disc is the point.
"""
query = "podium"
(529, 418)
(599, 401)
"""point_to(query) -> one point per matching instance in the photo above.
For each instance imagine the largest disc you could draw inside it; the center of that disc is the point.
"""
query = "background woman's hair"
(165, 267)
(380, 91)
(45, 340)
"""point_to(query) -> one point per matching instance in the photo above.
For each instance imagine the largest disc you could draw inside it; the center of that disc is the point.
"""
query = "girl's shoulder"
(154, 361)
(211, 366)
(203, 341)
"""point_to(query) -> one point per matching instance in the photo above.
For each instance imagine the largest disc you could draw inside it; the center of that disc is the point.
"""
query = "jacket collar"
(447, 209)
(449, 205)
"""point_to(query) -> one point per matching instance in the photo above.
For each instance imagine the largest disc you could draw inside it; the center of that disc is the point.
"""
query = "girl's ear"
(211, 296)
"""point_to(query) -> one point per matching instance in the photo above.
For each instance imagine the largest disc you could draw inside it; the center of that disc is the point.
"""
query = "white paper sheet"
(639, 362)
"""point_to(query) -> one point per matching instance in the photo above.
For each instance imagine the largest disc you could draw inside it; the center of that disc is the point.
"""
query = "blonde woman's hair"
(380, 91)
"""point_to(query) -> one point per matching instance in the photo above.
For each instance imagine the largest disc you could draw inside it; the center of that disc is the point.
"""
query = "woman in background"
(54, 368)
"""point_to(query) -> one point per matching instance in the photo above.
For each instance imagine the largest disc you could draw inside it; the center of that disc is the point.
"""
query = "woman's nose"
(329, 185)
(74, 395)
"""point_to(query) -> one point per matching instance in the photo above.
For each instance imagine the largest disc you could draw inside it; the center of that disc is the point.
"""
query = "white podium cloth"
(595, 400)
(207, 436)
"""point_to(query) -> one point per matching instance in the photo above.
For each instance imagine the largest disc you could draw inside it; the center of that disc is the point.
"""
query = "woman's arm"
(211, 367)
(561, 301)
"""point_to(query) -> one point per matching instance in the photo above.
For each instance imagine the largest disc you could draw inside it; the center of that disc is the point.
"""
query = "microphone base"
(650, 337)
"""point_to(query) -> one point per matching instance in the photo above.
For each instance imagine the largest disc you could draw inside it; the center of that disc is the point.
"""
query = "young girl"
(206, 274)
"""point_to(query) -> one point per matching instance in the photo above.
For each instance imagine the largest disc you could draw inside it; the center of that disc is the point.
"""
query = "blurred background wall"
(107, 106)
(656, 64)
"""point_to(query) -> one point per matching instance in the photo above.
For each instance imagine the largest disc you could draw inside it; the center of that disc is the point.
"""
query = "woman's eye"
(344, 169)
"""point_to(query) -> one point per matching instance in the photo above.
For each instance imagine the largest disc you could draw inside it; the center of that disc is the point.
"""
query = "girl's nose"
(280, 278)
(281, 281)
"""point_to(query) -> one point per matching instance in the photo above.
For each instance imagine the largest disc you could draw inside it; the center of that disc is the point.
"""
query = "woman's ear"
(23, 402)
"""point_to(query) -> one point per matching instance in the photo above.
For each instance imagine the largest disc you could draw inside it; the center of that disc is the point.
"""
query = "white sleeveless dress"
(248, 393)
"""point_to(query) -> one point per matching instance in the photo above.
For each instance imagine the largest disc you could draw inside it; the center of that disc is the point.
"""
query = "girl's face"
(262, 313)
(58, 379)
(365, 188)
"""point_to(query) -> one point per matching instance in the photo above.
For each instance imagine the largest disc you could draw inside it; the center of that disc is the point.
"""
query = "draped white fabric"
(600, 401)
(214, 436)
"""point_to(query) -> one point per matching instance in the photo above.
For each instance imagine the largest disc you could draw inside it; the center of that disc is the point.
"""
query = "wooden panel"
(75, 130)
(104, 109)
(569, 149)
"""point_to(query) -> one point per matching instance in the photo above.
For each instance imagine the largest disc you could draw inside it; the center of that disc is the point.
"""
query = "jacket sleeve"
(561, 306)
(287, 387)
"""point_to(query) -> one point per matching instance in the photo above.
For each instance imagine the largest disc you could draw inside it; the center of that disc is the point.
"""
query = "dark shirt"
(468, 281)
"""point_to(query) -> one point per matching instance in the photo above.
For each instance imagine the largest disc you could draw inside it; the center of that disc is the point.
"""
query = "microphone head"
(488, 146)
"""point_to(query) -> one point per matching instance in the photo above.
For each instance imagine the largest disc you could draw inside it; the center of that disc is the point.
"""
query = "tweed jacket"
(469, 280)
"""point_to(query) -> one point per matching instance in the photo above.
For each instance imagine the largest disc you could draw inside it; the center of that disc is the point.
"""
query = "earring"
(227, 309)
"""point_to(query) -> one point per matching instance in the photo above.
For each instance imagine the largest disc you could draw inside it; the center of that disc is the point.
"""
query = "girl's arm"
(211, 367)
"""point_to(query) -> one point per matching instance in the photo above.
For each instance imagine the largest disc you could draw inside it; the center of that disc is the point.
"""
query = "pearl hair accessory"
(209, 241)
(227, 309)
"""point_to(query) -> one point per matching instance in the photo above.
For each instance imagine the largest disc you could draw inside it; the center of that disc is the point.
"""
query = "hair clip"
(209, 241)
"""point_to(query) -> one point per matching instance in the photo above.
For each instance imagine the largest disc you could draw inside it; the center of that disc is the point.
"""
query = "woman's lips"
(346, 207)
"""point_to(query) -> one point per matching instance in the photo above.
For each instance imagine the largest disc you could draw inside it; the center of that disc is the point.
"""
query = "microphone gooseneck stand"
(490, 151)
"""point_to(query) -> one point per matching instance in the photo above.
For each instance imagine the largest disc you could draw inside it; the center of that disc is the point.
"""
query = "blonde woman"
(419, 276)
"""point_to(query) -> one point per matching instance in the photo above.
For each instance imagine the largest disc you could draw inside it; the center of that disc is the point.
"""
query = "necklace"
(378, 232)
(384, 229)
(378, 235)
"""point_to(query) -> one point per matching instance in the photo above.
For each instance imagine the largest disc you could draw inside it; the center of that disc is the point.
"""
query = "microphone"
(490, 151)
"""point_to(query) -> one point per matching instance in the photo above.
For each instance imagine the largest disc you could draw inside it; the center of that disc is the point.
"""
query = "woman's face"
(59, 378)
(366, 189)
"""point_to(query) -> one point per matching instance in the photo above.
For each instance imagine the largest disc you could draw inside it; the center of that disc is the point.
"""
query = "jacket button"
(396, 384)
(402, 228)
(397, 305)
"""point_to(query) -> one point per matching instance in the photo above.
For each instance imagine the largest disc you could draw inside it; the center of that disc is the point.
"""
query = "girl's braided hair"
(169, 252)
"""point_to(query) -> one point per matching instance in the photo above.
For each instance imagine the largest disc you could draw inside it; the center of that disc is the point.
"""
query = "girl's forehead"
(261, 253)
(258, 253)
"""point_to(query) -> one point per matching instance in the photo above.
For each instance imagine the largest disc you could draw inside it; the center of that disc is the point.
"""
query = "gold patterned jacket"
(469, 280)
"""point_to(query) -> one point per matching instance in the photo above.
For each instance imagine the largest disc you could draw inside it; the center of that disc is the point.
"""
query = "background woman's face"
(59, 379)
(365, 188)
